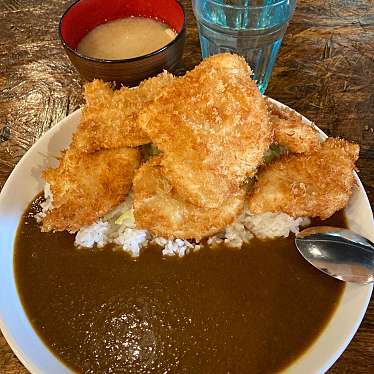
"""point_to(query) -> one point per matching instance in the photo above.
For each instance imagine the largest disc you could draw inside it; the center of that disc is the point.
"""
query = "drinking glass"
(251, 28)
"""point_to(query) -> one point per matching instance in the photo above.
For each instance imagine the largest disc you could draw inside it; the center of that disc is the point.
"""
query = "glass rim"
(243, 6)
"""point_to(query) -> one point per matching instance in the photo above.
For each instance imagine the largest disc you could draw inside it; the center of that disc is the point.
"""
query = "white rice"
(119, 227)
(263, 226)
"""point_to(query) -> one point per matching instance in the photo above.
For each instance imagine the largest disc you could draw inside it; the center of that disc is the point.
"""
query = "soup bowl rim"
(75, 52)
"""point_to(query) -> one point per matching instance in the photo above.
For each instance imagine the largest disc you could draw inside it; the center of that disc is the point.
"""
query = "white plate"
(23, 185)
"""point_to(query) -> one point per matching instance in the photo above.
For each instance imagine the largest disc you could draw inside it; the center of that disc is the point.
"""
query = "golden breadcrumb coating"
(158, 208)
(316, 184)
(212, 126)
(291, 132)
(109, 117)
(87, 186)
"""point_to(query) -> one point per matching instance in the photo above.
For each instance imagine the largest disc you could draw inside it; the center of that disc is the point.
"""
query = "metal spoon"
(338, 252)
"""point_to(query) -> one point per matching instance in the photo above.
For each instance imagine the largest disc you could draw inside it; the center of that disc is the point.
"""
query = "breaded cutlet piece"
(212, 126)
(315, 185)
(87, 186)
(109, 116)
(158, 208)
(291, 132)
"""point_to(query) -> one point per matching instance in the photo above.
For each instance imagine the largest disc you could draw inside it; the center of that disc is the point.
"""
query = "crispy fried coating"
(291, 132)
(212, 126)
(316, 184)
(109, 117)
(87, 186)
(158, 208)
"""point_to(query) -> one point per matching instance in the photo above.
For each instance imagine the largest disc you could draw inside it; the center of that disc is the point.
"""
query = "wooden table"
(325, 70)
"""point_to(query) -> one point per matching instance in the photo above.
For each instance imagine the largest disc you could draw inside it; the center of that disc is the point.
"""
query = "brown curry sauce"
(253, 310)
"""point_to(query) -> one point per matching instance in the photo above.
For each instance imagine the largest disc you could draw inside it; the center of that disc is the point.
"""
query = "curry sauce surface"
(252, 310)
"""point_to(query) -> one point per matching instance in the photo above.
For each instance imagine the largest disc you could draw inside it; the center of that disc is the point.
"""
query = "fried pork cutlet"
(316, 185)
(87, 186)
(109, 117)
(158, 208)
(291, 132)
(212, 126)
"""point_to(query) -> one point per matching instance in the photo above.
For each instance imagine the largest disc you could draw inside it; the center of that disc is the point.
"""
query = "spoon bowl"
(338, 252)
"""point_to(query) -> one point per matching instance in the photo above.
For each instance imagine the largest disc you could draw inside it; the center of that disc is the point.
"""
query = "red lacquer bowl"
(84, 15)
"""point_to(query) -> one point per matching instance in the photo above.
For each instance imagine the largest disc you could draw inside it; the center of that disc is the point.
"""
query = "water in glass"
(251, 28)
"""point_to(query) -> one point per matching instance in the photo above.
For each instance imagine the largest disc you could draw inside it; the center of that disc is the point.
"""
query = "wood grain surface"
(325, 70)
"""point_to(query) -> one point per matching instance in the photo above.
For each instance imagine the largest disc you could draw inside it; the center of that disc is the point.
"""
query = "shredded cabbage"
(126, 215)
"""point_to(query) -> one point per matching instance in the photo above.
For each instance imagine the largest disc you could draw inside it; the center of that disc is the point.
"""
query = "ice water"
(253, 29)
